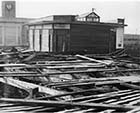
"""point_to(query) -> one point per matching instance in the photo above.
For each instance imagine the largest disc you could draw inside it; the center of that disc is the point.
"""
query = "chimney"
(8, 9)
(120, 21)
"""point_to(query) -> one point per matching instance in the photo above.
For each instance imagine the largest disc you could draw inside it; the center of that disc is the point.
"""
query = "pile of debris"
(43, 82)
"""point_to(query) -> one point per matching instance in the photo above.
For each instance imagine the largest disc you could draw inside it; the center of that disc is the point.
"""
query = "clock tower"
(8, 9)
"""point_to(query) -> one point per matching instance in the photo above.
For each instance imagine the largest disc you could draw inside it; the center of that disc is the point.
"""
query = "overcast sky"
(106, 9)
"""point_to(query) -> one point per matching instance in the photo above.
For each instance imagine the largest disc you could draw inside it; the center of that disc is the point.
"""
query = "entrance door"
(62, 40)
(60, 43)
(45, 40)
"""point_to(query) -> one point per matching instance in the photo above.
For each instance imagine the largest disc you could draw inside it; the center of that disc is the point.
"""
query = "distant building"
(131, 39)
(132, 44)
(70, 33)
(12, 32)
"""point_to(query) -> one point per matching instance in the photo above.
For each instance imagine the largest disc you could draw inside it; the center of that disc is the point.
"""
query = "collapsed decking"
(69, 83)
(69, 33)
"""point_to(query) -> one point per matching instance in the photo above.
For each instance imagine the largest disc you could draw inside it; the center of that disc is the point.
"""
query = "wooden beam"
(29, 57)
(35, 74)
(73, 93)
(101, 81)
(75, 66)
(73, 104)
(75, 85)
(57, 73)
(17, 74)
(11, 53)
(93, 83)
(60, 62)
(14, 65)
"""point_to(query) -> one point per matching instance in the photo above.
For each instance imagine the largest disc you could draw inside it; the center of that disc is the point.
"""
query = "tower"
(8, 9)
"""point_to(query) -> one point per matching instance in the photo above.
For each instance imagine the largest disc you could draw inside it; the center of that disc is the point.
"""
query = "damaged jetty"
(42, 82)
(70, 64)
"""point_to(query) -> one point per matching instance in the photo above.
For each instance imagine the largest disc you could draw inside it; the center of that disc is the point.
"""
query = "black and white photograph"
(69, 56)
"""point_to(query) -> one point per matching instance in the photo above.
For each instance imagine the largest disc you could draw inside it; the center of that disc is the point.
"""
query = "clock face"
(9, 6)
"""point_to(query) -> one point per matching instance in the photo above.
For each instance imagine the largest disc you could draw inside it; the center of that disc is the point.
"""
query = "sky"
(108, 10)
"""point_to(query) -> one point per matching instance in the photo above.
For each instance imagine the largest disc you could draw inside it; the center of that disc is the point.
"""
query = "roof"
(54, 18)
(70, 19)
(78, 22)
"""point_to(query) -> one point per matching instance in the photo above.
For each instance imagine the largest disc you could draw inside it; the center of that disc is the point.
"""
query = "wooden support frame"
(27, 86)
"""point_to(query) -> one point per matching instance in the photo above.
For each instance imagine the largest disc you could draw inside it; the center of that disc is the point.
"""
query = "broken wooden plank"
(69, 110)
(20, 108)
(75, 66)
(29, 57)
(132, 86)
(136, 110)
(126, 100)
(94, 60)
(108, 97)
(99, 96)
(123, 98)
(83, 110)
(134, 102)
(131, 98)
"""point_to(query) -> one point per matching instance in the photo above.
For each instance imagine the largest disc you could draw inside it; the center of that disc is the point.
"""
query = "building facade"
(66, 33)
